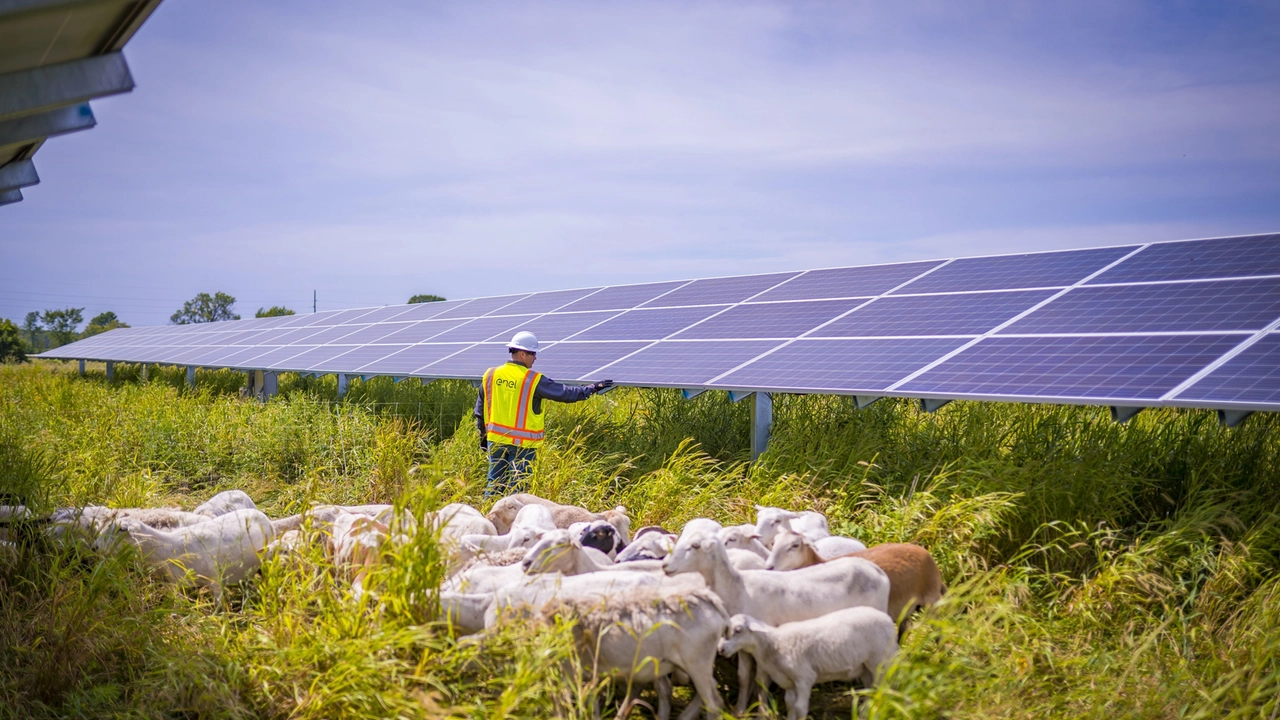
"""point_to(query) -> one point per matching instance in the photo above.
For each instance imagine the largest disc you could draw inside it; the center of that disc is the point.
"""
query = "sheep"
(562, 551)
(745, 559)
(503, 514)
(599, 535)
(456, 520)
(776, 598)
(465, 612)
(355, 541)
(645, 633)
(743, 537)
(842, 645)
(834, 546)
(769, 520)
(225, 502)
(13, 516)
(222, 550)
(914, 580)
(531, 523)
(653, 545)
(483, 578)
(95, 518)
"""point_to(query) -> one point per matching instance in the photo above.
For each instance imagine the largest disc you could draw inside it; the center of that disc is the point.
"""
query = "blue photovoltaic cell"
(382, 314)
(470, 363)
(649, 324)
(847, 282)
(1253, 376)
(297, 321)
(1181, 307)
(345, 316)
(1055, 269)
(840, 365)
(290, 337)
(429, 310)
(573, 360)
(549, 328)
(684, 363)
(410, 359)
(621, 297)
(481, 306)
(768, 320)
(372, 333)
(720, 291)
(335, 334)
(276, 358)
(345, 359)
(966, 314)
(420, 331)
(1139, 368)
(546, 301)
(482, 329)
(1226, 257)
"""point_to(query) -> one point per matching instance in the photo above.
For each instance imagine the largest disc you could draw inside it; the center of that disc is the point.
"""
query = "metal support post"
(111, 371)
(761, 423)
(1232, 418)
(933, 404)
(81, 368)
(343, 382)
(264, 384)
(191, 376)
(1123, 414)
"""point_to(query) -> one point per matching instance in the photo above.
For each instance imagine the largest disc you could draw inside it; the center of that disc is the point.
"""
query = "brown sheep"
(914, 580)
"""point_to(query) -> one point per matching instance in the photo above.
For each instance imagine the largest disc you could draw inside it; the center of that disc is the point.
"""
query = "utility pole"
(313, 301)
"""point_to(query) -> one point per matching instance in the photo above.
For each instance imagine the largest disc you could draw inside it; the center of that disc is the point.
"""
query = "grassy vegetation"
(1095, 569)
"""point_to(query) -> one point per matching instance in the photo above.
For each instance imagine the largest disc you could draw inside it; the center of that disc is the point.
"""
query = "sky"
(371, 151)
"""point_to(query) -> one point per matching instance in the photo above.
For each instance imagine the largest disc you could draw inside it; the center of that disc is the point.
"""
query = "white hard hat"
(524, 340)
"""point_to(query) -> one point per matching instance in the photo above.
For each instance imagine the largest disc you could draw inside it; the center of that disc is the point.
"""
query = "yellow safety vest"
(508, 406)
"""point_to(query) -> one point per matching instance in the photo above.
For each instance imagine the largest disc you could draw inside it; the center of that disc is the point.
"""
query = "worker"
(509, 413)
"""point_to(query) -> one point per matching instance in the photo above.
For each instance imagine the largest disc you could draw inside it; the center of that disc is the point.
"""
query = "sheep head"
(791, 551)
(770, 520)
(553, 553)
(694, 552)
(503, 514)
(740, 634)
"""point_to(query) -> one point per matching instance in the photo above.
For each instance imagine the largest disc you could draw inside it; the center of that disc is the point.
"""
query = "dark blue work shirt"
(546, 389)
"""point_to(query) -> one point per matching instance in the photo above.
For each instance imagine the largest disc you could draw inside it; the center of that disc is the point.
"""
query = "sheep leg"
(798, 700)
(744, 684)
(664, 697)
(704, 681)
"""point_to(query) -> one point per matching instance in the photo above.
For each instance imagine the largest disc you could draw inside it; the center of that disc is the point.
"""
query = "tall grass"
(1094, 569)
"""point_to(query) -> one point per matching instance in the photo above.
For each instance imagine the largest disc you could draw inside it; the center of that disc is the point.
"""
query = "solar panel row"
(1125, 325)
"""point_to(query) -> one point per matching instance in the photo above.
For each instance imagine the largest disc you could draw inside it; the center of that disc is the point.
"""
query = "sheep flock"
(795, 604)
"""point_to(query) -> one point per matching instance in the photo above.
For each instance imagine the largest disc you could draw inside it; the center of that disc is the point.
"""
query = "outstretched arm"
(549, 389)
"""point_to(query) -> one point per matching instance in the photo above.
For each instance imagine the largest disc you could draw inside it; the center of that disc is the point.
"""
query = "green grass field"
(1095, 569)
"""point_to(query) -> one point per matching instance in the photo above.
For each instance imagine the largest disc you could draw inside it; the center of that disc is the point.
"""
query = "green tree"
(32, 326)
(425, 298)
(273, 311)
(61, 324)
(101, 323)
(11, 346)
(205, 308)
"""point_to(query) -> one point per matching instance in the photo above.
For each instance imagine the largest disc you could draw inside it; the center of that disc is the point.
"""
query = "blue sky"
(370, 151)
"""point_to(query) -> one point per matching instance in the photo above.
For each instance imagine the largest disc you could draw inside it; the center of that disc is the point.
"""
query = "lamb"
(503, 513)
(770, 520)
(743, 537)
(777, 598)
(842, 645)
(648, 546)
(456, 520)
(225, 502)
(914, 580)
(645, 633)
(222, 550)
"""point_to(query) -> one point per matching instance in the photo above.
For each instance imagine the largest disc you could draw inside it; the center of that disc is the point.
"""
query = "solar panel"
(1189, 260)
(1132, 324)
(1128, 368)
(967, 314)
(1227, 305)
(845, 366)
(1252, 377)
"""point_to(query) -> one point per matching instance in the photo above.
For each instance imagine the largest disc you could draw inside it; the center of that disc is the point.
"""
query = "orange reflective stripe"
(488, 394)
(526, 398)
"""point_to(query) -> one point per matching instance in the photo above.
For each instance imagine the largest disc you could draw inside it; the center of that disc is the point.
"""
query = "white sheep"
(225, 502)
(645, 633)
(776, 597)
(456, 519)
(648, 546)
(843, 645)
(95, 518)
(745, 559)
(743, 537)
(218, 551)
(503, 514)
(770, 520)
(465, 612)
(563, 552)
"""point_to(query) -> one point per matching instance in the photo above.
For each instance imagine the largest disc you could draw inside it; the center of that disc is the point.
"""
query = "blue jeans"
(508, 466)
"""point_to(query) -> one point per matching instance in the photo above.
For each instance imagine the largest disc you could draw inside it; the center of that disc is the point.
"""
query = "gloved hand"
(600, 386)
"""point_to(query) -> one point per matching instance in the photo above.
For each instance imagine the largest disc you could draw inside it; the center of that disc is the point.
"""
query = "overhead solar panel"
(1156, 324)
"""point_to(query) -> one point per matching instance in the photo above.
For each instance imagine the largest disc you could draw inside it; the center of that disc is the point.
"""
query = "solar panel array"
(1187, 323)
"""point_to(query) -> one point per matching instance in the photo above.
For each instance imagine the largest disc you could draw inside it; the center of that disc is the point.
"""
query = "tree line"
(52, 328)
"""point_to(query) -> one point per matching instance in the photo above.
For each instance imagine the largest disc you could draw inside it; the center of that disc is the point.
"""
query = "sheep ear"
(754, 536)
